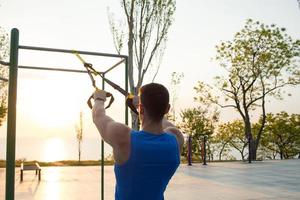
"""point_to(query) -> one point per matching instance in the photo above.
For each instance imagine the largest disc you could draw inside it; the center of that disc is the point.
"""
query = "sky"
(49, 103)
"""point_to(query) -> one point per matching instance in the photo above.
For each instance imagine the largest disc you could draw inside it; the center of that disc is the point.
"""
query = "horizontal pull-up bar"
(72, 51)
(52, 69)
(58, 68)
(44, 68)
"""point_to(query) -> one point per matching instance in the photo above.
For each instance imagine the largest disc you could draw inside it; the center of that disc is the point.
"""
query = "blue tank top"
(152, 162)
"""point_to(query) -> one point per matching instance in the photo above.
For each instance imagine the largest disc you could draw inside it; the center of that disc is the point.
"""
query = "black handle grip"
(89, 101)
(129, 103)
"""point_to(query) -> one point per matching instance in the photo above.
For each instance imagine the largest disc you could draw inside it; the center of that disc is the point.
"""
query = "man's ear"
(167, 109)
(141, 109)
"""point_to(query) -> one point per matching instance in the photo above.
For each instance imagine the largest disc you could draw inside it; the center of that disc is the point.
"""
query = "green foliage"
(282, 134)
(229, 136)
(259, 62)
(3, 110)
(3, 74)
(198, 123)
(3, 44)
(175, 83)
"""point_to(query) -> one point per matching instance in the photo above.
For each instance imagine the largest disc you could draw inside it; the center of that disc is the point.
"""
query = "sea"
(55, 149)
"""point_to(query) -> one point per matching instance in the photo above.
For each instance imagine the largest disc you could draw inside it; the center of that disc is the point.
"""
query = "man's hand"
(100, 95)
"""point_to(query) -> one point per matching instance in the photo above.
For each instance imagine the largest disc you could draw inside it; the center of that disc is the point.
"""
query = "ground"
(216, 181)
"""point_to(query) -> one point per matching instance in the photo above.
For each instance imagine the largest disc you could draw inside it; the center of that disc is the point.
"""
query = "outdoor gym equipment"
(12, 102)
(91, 71)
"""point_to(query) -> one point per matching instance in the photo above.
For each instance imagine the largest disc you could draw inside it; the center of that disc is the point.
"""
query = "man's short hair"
(155, 100)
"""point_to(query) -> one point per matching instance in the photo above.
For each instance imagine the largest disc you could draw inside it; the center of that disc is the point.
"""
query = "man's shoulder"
(173, 130)
(119, 133)
(177, 133)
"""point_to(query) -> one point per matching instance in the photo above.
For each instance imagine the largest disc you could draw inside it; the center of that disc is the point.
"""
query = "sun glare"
(51, 103)
(54, 150)
(53, 189)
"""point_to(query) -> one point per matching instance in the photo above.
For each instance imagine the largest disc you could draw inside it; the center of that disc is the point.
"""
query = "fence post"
(204, 150)
(189, 150)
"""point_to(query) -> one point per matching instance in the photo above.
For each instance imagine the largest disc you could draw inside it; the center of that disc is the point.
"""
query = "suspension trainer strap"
(92, 71)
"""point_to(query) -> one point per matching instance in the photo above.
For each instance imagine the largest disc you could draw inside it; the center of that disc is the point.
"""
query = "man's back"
(152, 162)
(145, 160)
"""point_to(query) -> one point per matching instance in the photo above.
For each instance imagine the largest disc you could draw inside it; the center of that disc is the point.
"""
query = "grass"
(61, 163)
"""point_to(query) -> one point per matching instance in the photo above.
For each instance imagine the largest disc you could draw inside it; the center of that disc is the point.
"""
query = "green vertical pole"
(126, 88)
(102, 155)
(11, 116)
(204, 151)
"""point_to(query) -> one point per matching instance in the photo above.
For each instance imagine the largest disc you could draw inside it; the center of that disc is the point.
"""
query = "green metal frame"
(12, 102)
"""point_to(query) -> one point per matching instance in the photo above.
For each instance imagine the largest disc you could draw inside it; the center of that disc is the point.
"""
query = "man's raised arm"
(112, 132)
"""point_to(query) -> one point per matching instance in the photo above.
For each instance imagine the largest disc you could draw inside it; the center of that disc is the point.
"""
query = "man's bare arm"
(112, 132)
(171, 128)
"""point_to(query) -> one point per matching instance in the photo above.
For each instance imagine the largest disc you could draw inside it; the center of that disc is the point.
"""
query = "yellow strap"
(79, 57)
(130, 96)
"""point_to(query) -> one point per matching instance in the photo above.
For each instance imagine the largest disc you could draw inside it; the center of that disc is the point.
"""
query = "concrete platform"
(226, 181)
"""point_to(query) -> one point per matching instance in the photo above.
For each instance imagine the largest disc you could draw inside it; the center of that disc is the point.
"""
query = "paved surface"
(226, 181)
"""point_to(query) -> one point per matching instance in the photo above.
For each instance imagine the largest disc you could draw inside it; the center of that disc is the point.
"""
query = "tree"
(175, 82)
(259, 62)
(282, 134)
(212, 148)
(3, 74)
(298, 140)
(198, 123)
(239, 141)
(266, 153)
(222, 139)
(79, 134)
(232, 133)
(148, 23)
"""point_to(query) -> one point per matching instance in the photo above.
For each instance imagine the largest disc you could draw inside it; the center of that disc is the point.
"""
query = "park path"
(216, 181)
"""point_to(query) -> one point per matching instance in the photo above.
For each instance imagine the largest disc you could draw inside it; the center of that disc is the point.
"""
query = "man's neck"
(152, 127)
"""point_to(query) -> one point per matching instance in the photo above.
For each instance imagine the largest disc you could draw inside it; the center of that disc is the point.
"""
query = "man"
(147, 159)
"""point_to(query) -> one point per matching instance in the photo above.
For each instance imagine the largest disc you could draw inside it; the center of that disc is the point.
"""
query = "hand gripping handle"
(89, 101)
